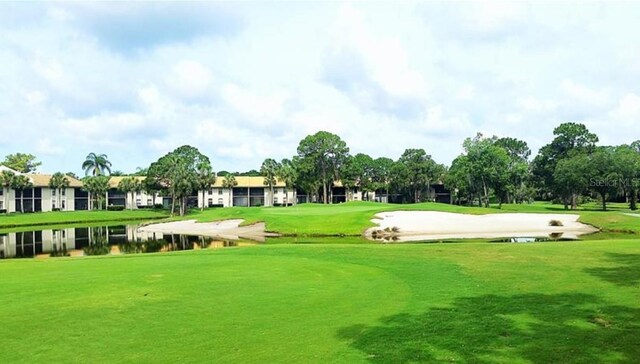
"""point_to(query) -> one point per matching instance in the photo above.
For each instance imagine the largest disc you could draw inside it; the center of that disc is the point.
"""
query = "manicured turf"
(74, 217)
(575, 302)
(354, 217)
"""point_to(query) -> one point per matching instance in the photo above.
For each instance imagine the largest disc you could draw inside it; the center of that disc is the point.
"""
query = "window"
(220, 201)
(138, 201)
(138, 193)
(1, 205)
(1, 191)
(211, 192)
(63, 192)
(210, 202)
(64, 234)
(219, 191)
(53, 192)
(148, 202)
(275, 200)
(63, 204)
(53, 205)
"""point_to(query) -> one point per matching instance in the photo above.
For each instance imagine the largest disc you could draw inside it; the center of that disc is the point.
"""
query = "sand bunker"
(432, 225)
(227, 229)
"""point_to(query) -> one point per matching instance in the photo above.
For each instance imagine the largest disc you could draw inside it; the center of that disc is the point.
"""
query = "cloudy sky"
(246, 81)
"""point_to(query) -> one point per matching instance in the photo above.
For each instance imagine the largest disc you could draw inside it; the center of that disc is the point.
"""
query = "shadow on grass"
(627, 274)
(576, 328)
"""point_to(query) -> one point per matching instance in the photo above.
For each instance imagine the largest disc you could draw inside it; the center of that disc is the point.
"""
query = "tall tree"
(488, 165)
(205, 178)
(96, 165)
(518, 168)
(6, 181)
(97, 186)
(605, 175)
(381, 174)
(21, 162)
(569, 138)
(458, 180)
(57, 182)
(269, 169)
(358, 172)
(323, 154)
(287, 174)
(229, 182)
(177, 174)
(414, 171)
(571, 177)
(21, 183)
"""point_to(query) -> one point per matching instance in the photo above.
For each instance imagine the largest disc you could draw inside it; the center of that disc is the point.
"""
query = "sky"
(246, 81)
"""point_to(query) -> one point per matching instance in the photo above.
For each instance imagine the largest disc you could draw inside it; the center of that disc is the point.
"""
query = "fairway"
(468, 302)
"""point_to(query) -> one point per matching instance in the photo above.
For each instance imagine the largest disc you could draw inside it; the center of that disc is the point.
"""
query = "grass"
(354, 217)
(575, 302)
(76, 217)
(348, 219)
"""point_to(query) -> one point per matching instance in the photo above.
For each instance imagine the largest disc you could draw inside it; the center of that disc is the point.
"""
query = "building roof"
(42, 180)
(114, 181)
(247, 181)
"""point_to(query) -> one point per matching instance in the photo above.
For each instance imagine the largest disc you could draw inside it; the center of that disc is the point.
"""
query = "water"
(99, 240)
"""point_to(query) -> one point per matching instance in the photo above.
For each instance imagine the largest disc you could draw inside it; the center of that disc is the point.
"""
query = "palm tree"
(229, 182)
(6, 181)
(287, 173)
(127, 185)
(21, 183)
(57, 182)
(269, 169)
(206, 178)
(96, 164)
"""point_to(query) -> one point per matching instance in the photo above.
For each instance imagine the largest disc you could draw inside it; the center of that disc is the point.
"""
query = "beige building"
(39, 197)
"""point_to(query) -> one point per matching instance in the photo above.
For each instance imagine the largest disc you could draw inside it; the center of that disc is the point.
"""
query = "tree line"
(571, 169)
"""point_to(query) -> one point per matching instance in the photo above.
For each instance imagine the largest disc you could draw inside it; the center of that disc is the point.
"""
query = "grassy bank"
(76, 217)
(354, 217)
(573, 302)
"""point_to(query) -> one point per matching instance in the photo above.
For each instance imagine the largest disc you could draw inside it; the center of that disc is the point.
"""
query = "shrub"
(55, 209)
(555, 223)
(158, 206)
(115, 208)
(3, 211)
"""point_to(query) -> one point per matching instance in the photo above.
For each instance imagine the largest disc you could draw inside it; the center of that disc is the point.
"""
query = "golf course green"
(470, 302)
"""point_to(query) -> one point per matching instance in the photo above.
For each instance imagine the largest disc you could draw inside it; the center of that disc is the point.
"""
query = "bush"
(115, 208)
(158, 206)
(3, 211)
(55, 209)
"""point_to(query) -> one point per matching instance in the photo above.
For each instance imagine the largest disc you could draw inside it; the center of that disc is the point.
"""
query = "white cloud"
(191, 78)
(584, 94)
(628, 109)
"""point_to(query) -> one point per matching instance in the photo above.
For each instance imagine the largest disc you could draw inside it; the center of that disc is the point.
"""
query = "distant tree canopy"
(21, 162)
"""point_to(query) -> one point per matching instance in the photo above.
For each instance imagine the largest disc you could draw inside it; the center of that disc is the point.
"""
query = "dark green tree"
(322, 156)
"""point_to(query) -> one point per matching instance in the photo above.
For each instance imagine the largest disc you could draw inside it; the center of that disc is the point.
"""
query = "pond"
(99, 240)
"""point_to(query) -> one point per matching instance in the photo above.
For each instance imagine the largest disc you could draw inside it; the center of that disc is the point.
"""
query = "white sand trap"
(227, 229)
(432, 225)
(634, 215)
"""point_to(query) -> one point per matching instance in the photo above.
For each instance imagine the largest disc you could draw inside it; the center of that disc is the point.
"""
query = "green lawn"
(568, 302)
(354, 217)
(321, 220)
(76, 217)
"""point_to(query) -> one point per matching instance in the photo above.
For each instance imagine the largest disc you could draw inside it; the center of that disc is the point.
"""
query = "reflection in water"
(100, 240)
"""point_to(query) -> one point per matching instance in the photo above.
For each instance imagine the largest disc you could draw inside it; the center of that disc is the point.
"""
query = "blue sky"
(246, 81)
